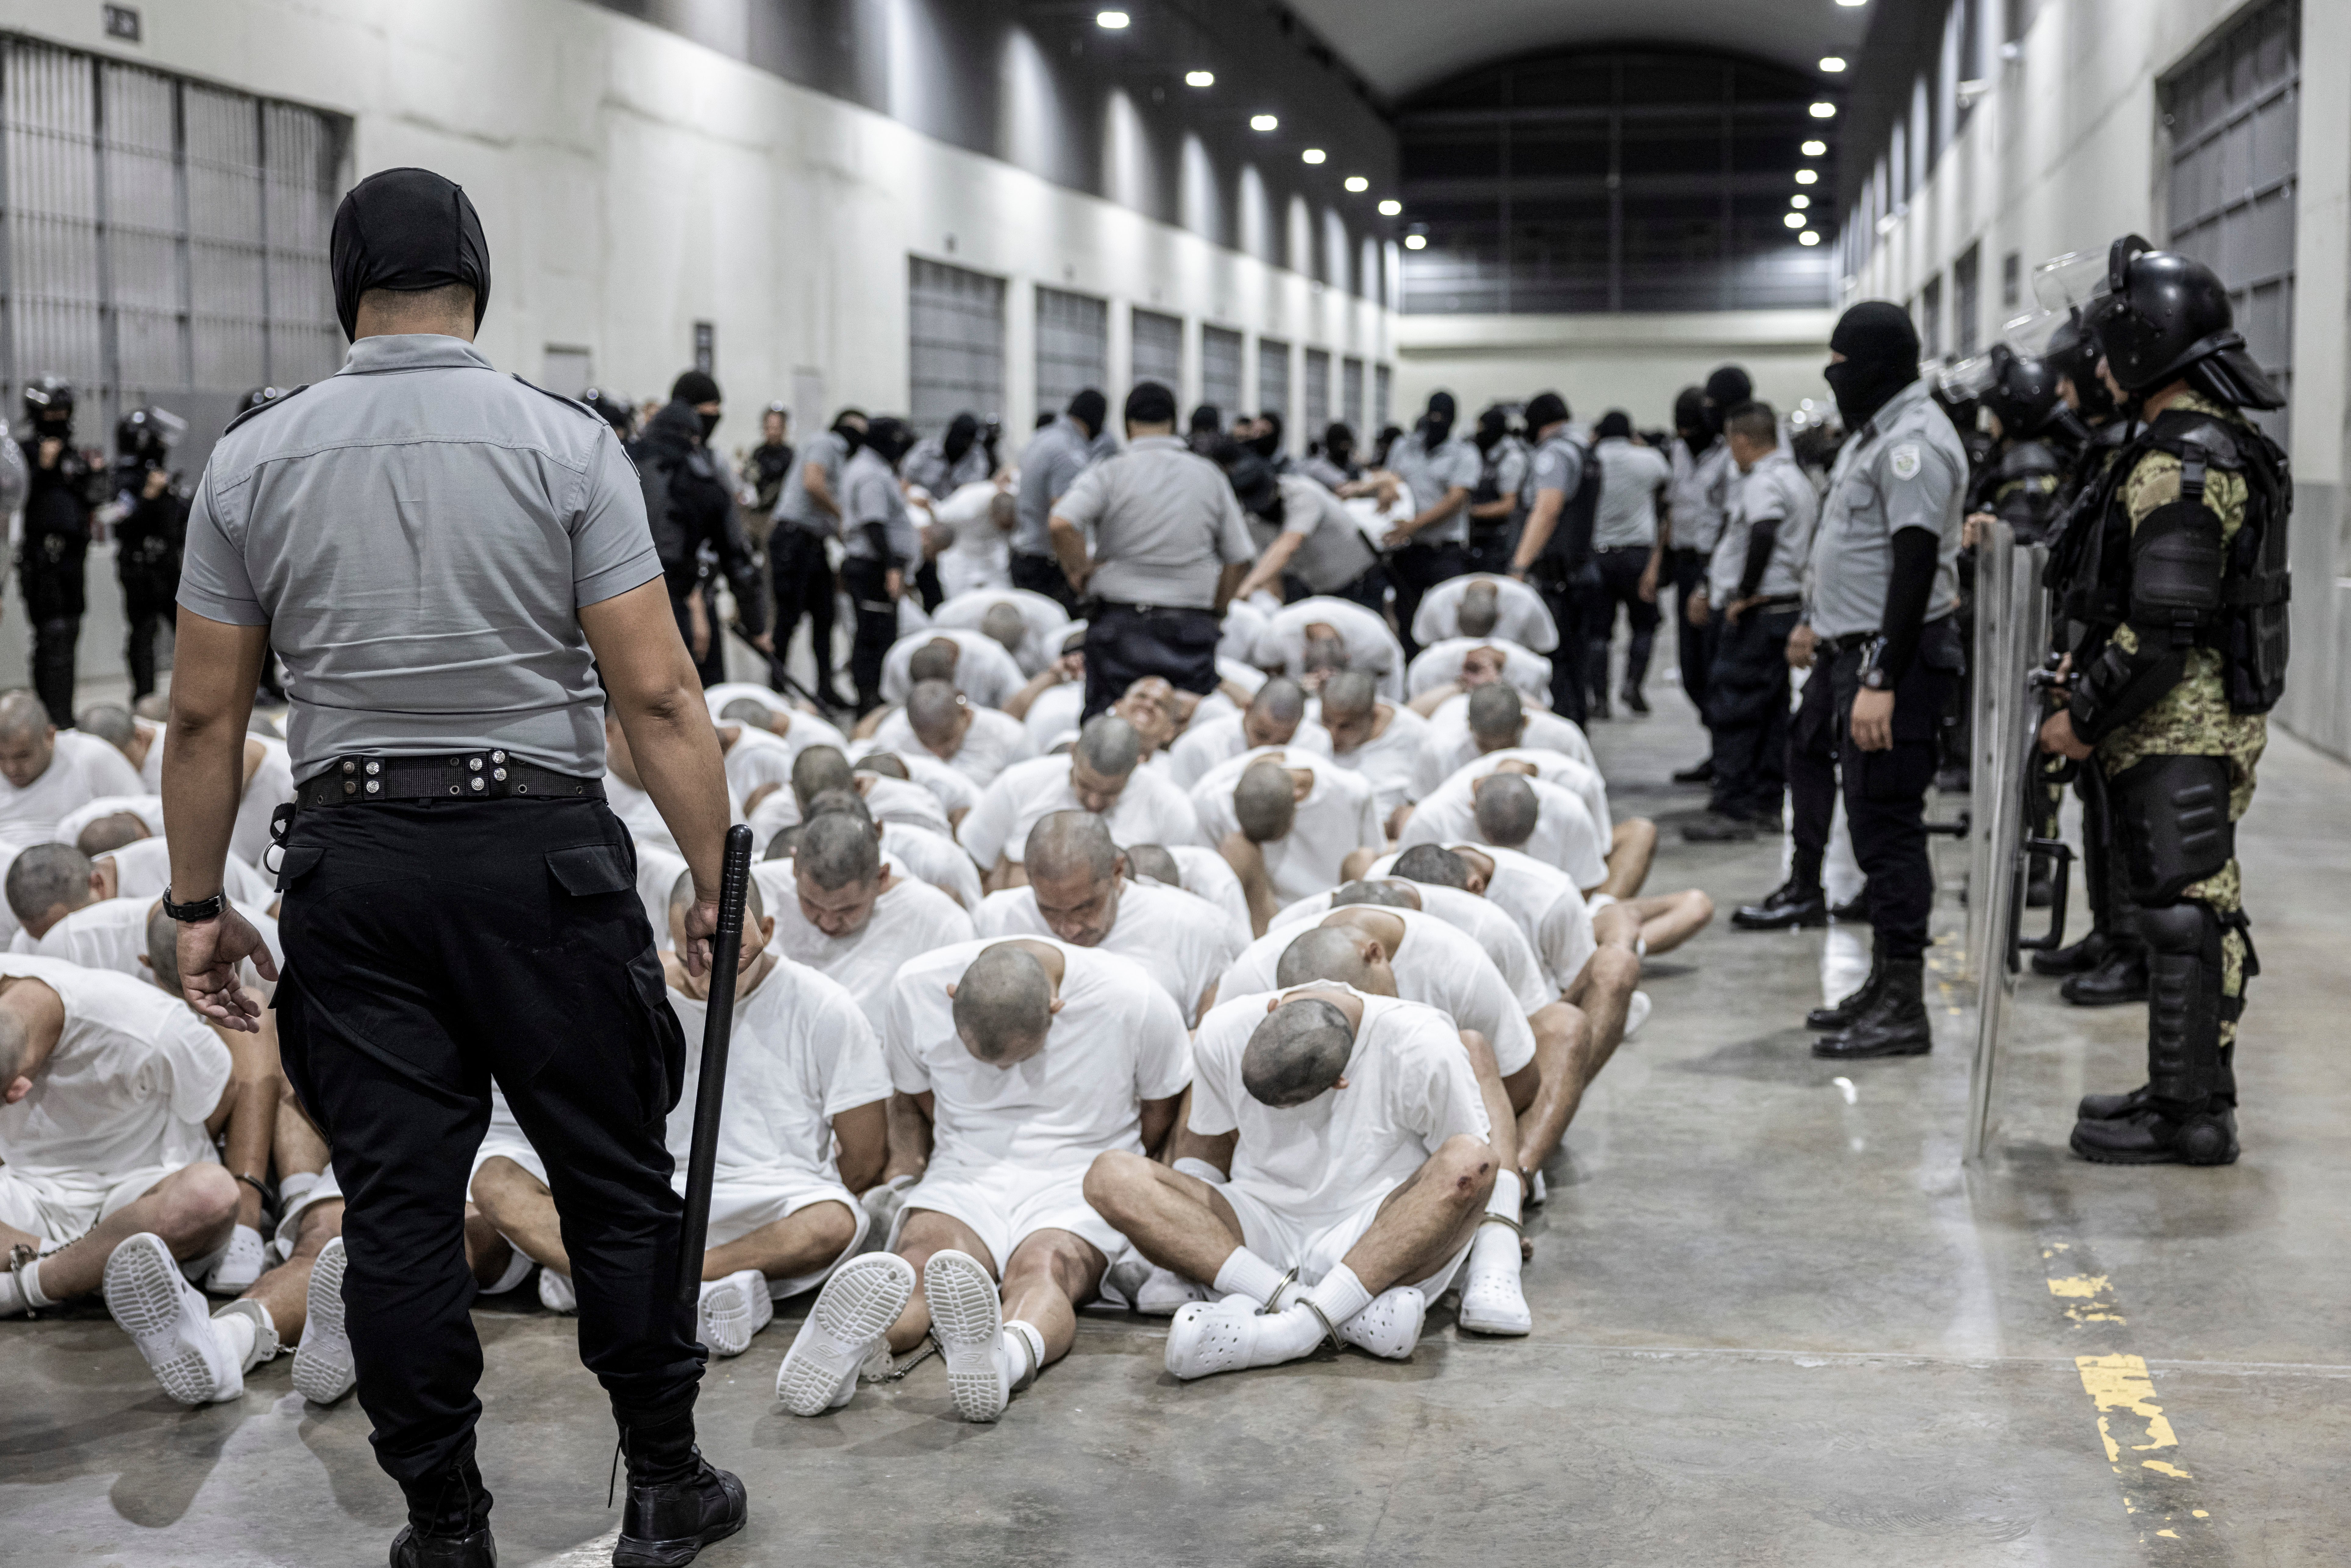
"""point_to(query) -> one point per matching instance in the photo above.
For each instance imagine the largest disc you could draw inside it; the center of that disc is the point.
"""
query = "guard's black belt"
(458, 775)
(1834, 646)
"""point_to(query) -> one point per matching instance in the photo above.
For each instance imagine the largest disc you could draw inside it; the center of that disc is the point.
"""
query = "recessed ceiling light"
(1799, 202)
(1808, 176)
(1313, 155)
(1114, 20)
(1851, 4)
(1824, 110)
(1814, 149)
(1199, 79)
(1794, 220)
(1391, 208)
(1807, 237)
(1415, 241)
(1358, 184)
(1263, 122)
(1833, 63)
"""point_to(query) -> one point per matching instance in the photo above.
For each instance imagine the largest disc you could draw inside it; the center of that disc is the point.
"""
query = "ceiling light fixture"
(1794, 220)
(1391, 208)
(1415, 241)
(1199, 79)
(1833, 63)
(1823, 110)
(1114, 20)
(1799, 202)
(1263, 122)
(1357, 184)
(1814, 149)
(1808, 176)
(1853, 3)
(1807, 237)
(1313, 155)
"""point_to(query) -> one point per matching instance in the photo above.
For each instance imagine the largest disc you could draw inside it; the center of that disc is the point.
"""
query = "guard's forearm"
(1540, 524)
(1227, 582)
(676, 747)
(1271, 565)
(1451, 503)
(215, 666)
(1069, 549)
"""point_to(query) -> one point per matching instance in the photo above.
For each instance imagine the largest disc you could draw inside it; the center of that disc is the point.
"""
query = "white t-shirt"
(911, 919)
(1565, 835)
(111, 934)
(1340, 815)
(1522, 617)
(1053, 716)
(1434, 964)
(887, 799)
(1548, 907)
(1441, 663)
(1370, 646)
(148, 808)
(1206, 874)
(983, 672)
(1243, 624)
(1150, 810)
(1449, 744)
(82, 770)
(802, 730)
(133, 1079)
(1496, 934)
(1047, 622)
(756, 761)
(936, 859)
(658, 870)
(1180, 941)
(643, 818)
(1222, 738)
(1409, 1088)
(802, 1054)
(993, 743)
(953, 791)
(1389, 758)
(150, 770)
(1117, 1042)
(271, 786)
(980, 555)
(1580, 778)
(142, 869)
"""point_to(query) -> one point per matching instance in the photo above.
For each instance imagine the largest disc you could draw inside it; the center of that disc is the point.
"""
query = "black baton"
(717, 1033)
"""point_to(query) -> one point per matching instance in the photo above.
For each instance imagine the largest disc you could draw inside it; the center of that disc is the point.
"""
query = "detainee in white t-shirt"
(46, 773)
(1508, 809)
(1103, 774)
(1276, 715)
(1024, 1060)
(1494, 717)
(850, 917)
(802, 1132)
(1286, 820)
(1202, 872)
(1332, 1173)
(1381, 740)
(941, 722)
(1079, 892)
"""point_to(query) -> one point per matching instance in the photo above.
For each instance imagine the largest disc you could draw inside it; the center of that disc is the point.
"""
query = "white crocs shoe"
(240, 1265)
(1637, 1012)
(1492, 1302)
(732, 1309)
(968, 1320)
(1165, 1291)
(1233, 1335)
(1390, 1326)
(166, 1317)
(323, 1372)
(851, 1313)
(556, 1293)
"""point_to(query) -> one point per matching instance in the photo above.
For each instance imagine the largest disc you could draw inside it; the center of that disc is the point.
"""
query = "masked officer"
(55, 542)
(1879, 635)
(1706, 479)
(1439, 471)
(440, 552)
(692, 509)
(150, 522)
(2180, 593)
(1554, 549)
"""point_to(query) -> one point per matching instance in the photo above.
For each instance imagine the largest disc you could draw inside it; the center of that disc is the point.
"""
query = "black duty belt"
(1849, 643)
(460, 775)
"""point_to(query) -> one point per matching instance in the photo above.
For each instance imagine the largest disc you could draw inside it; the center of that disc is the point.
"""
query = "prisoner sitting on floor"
(1286, 821)
(1024, 1059)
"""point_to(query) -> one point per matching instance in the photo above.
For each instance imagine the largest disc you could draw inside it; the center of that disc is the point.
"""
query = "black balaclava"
(962, 431)
(1691, 421)
(1339, 447)
(1880, 347)
(852, 436)
(1437, 424)
(1266, 443)
(1492, 425)
(406, 230)
(697, 387)
(1091, 408)
(1545, 409)
(1614, 425)
(1725, 390)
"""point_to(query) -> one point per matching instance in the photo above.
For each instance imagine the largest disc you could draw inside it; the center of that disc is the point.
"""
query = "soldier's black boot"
(2161, 1132)
(1791, 903)
(679, 1502)
(1855, 909)
(1893, 1024)
(2118, 976)
(472, 1549)
(2072, 959)
(1843, 1015)
(448, 1523)
(2107, 1107)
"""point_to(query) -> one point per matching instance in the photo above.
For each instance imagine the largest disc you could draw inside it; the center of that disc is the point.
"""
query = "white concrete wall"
(1637, 362)
(2067, 152)
(632, 182)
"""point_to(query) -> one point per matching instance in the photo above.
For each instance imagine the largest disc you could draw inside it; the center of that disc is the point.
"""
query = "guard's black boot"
(1843, 1015)
(473, 1550)
(2107, 1107)
(2120, 976)
(1790, 904)
(2161, 1132)
(1719, 827)
(2073, 958)
(1853, 910)
(679, 1502)
(1893, 1024)
(1703, 773)
(1633, 699)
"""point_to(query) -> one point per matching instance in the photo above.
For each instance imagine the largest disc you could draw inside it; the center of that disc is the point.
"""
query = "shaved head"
(1350, 694)
(1325, 652)
(1298, 1052)
(1274, 713)
(1434, 864)
(1385, 891)
(1324, 953)
(750, 711)
(28, 743)
(1497, 713)
(17, 1045)
(935, 710)
(1264, 804)
(48, 882)
(1480, 607)
(888, 764)
(1070, 843)
(108, 834)
(21, 716)
(1108, 746)
(785, 844)
(934, 660)
(1153, 861)
(1007, 626)
(1506, 809)
(163, 948)
(1003, 1004)
(681, 896)
(836, 850)
(111, 722)
(818, 769)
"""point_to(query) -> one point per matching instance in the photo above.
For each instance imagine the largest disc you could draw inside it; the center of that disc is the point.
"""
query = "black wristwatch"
(202, 909)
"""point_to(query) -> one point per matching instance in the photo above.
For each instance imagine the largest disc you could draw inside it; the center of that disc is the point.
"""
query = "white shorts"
(739, 1208)
(58, 1213)
(324, 1190)
(1315, 1248)
(1005, 1205)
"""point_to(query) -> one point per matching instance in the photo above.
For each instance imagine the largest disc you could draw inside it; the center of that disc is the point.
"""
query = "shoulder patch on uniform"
(1905, 460)
(570, 402)
(277, 402)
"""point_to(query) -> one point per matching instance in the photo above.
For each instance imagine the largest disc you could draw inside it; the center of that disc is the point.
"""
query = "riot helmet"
(2164, 317)
(49, 401)
(147, 434)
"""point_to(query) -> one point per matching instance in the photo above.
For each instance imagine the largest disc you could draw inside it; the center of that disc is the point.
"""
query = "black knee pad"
(2184, 1006)
(2171, 818)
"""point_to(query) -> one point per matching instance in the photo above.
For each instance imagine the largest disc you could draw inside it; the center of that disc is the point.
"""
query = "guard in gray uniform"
(439, 552)
(1554, 549)
(1885, 653)
(1050, 465)
(1704, 483)
(809, 514)
(879, 553)
(1440, 470)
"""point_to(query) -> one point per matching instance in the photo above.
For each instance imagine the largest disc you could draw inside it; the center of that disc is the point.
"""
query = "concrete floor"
(1776, 1324)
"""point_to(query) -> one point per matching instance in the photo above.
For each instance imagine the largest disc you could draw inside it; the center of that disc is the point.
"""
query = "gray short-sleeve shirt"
(1165, 522)
(1431, 472)
(1558, 465)
(1626, 518)
(1776, 490)
(1050, 465)
(1903, 469)
(1334, 552)
(1703, 486)
(870, 493)
(419, 532)
(795, 505)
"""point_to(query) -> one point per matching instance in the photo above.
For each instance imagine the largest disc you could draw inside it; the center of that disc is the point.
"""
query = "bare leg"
(286, 1289)
(872, 722)
(192, 1209)
(1051, 1272)
(1397, 820)
(800, 1243)
(1633, 846)
(297, 1145)
(1669, 919)
(1179, 1222)
(1248, 861)
(488, 1253)
(1427, 1219)
(927, 1231)
(1501, 1114)
(518, 1205)
(910, 1140)
(1604, 991)
(1561, 1035)
(255, 1086)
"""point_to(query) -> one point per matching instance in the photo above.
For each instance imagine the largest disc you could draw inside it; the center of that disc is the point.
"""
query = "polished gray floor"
(1777, 1322)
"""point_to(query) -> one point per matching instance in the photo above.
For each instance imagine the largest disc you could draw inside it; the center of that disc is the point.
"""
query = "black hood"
(1880, 347)
(674, 432)
(1691, 421)
(408, 230)
(962, 431)
(1437, 424)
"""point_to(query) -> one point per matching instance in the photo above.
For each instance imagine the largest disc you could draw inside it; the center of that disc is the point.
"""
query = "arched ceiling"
(1400, 46)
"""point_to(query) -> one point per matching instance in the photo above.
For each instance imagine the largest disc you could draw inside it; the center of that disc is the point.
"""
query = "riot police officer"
(150, 525)
(691, 507)
(2179, 594)
(55, 544)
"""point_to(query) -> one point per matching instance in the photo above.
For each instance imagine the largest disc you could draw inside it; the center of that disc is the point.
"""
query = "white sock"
(1202, 1169)
(1339, 1295)
(31, 1277)
(1023, 1349)
(1507, 1195)
(1247, 1274)
(292, 1188)
(237, 1329)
